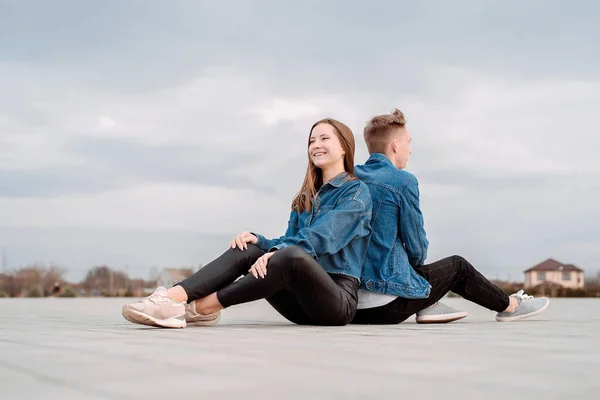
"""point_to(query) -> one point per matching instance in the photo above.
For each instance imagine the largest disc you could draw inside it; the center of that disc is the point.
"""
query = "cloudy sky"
(147, 133)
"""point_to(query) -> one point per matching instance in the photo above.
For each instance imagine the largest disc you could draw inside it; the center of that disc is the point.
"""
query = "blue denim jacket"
(335, 231)
(398, 243)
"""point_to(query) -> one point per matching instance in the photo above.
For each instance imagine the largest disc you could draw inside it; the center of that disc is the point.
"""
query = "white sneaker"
(156, 310)
(439, 313)
(528, 307)
(194, 318)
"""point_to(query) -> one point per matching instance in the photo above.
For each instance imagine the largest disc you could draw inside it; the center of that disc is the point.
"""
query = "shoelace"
(154, 297)
(520, 295)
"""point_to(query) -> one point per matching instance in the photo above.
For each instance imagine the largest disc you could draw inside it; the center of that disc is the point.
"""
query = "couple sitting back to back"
(354, 250)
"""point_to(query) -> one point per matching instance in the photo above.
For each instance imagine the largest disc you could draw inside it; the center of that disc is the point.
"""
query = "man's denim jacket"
(398, 243)
(335, 231)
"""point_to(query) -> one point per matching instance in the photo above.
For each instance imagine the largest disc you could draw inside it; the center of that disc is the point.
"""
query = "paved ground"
(83, 349)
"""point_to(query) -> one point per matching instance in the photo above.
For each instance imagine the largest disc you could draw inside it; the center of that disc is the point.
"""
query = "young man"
(396, 283)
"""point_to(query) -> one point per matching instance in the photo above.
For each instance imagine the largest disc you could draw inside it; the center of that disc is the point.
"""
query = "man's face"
(403, 150)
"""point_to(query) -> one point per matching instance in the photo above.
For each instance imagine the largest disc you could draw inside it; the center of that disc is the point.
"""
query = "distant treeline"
(41, 281)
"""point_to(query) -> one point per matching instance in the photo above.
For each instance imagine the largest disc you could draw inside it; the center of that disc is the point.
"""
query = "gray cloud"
(54, 182)
(304, 45)
(501, 100)
(187, 164)
(114, 164)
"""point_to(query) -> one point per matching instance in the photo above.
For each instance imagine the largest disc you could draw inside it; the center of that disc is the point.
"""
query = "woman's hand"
(260, 266)
(241, 240)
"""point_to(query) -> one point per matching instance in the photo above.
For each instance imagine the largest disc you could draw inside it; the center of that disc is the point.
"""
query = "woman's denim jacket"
(335, 231)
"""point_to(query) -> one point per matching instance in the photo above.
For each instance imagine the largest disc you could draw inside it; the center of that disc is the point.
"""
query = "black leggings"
(451, 273)
(295, 285)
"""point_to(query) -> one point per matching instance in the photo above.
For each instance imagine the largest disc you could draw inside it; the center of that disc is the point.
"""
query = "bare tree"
(105, 280)
(32, 280)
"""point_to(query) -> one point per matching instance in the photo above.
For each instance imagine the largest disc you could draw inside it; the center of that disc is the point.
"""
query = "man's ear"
(394, 145)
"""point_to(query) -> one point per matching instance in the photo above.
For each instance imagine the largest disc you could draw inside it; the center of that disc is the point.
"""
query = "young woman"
(310, 275)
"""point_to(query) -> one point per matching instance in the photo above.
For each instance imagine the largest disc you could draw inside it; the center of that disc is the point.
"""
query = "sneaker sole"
(441, 319)
(523, 316)
(128, 317)
(137, 317)
(210, 321)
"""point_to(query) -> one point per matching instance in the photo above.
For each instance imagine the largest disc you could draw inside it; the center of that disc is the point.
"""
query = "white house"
(554, 272)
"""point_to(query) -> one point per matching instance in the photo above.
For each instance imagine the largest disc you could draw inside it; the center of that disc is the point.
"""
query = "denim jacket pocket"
(398, 270)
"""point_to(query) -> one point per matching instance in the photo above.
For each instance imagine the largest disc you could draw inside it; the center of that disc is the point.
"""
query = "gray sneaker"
(194, 318)
(528, 307)
(156, 310)
(439, 313)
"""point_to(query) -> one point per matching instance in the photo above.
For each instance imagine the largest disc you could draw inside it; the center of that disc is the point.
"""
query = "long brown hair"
(314, 176)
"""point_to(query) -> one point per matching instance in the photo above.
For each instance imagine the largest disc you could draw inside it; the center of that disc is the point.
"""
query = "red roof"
(553, 265)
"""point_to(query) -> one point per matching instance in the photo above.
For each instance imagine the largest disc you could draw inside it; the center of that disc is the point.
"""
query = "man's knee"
(461, 264)
(458, 259)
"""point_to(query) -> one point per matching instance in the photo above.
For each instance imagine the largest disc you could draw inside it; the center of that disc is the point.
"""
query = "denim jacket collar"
(379, 157)
(339, 180)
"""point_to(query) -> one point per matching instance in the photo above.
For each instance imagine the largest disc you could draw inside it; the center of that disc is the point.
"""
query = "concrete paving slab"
(83, 349)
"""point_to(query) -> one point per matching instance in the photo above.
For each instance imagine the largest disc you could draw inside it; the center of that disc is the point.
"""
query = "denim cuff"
(262, 241)
(277, 247)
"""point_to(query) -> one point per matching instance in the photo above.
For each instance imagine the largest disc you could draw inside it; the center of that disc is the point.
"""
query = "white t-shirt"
(369, 299)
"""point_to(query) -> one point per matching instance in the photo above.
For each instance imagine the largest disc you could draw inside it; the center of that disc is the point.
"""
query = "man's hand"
(260, 266)
(241, 240)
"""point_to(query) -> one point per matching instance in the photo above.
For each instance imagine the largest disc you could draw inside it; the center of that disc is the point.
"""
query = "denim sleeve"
(412, 229)
(266, 244)
(335, 229)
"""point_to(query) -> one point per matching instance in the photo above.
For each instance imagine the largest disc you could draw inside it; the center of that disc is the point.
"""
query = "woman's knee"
(253, 251)
(293, 252)
(289, 259)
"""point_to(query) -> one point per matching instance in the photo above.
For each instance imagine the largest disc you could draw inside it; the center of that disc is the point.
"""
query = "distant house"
(552, 272)
(171, 276)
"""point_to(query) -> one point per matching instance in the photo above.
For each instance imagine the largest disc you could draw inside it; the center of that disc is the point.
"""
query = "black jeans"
(295, 285)
(449, 274)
